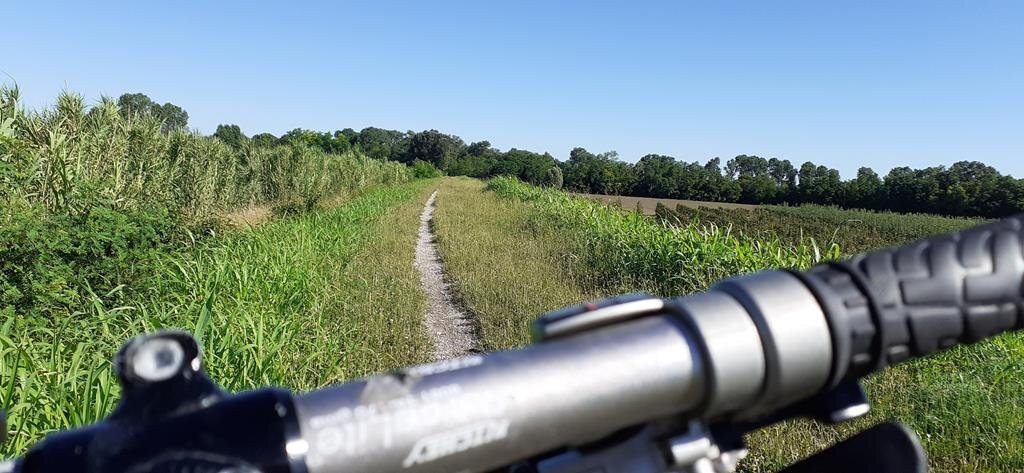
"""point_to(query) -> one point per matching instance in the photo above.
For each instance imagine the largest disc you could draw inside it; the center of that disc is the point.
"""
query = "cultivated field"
(553, 248)
(854, 231)
(649, 204)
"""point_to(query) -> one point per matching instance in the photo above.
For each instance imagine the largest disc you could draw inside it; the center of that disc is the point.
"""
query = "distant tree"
(758, 189)
(264, 139)
(382, 144)
(526, 165)
(231, 135)
(433, 147)
(172, 116)
(597, 173)
(300, 136)
(134, 104)
(783, 172)
(746, 166)
(657, 176)
(553, 177)
(350, 135)
(865, 191)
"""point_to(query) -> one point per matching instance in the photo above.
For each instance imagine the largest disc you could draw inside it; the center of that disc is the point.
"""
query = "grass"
(91, 200)
(299, 302)
(55, 156)
(622, 249)
(518, 251)
(504, 262)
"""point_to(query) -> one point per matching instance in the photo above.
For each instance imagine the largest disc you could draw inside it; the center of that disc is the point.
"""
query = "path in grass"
(299, 302)
(452, 329)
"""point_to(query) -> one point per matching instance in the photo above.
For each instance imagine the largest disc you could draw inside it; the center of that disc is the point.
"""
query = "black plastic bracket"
(173, 418)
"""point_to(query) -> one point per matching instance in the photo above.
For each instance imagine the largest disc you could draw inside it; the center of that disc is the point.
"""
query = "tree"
(553, 177)
(476, 160)
(657, 176)
(597, 173)
(134, 104)
(382, 144)
(264, 139)
(231, 135)
(433, 147)
(350, 135)
(749, 166)
(865, 190)
(172, 116)
(299, 136)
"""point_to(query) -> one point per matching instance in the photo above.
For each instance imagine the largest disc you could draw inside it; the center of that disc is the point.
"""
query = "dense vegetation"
(90, 197)
(110, 225)
(627, 249)
(964, 404)
(967, 188)
(268, 306)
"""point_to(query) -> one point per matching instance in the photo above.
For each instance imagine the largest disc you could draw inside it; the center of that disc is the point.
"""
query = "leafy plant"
(424, 170)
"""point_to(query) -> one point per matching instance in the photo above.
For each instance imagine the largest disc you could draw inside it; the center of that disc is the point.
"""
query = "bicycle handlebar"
(752, 350)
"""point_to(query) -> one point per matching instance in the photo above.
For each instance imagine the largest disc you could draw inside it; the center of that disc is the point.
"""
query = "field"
(649, 204)
(295, 267)
(965, 404)
(854, 231)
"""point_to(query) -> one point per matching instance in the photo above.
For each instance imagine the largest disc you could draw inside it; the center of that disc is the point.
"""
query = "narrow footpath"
(450, 327)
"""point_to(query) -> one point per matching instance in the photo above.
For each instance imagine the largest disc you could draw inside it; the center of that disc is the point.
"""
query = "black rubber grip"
(890, 305)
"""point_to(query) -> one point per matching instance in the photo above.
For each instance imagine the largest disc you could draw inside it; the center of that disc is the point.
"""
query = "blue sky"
(839, 83)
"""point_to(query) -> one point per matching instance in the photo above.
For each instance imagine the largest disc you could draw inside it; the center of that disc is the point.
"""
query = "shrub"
(553, 177)
(424, 170)
(52, 263)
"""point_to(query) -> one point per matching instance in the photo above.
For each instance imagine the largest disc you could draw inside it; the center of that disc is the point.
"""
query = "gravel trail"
(452, 329)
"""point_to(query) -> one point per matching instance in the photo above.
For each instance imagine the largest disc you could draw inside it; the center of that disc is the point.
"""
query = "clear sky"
(844, 84)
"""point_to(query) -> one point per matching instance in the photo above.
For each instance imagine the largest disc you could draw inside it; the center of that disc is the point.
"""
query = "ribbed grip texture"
(924, 297)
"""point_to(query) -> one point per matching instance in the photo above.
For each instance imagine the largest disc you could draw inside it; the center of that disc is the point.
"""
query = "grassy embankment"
(109, 227)
(544, 250)
(298, 302)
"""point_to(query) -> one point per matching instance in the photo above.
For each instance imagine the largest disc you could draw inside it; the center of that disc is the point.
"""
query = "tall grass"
(90, 198)
(965, 404)
(104, 220)
(506, 265)
(627, 249)
(283, 304)
(57, 155)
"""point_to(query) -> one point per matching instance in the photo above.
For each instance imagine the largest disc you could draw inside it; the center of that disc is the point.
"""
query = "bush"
(51, 264)
(424, 170)
(553, 177)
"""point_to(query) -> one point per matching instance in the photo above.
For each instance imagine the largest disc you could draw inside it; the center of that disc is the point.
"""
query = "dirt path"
(452, 329)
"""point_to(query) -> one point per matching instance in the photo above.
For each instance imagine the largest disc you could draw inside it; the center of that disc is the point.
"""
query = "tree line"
(966, 188)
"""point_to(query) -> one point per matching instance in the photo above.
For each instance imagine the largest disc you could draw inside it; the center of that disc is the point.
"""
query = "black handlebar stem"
(172, 418)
